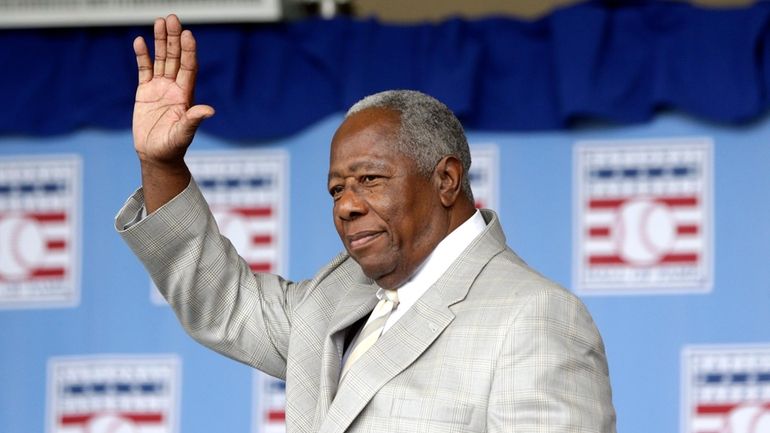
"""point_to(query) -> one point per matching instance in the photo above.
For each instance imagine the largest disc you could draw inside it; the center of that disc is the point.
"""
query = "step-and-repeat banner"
(662, 229)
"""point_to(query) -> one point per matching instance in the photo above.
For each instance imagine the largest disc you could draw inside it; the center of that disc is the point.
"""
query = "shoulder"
(507, 274)
(519, 291)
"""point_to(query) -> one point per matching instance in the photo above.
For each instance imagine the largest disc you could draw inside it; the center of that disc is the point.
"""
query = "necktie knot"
(392, 296)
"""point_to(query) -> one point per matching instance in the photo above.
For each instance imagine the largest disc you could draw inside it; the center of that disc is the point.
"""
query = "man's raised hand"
(165, 120)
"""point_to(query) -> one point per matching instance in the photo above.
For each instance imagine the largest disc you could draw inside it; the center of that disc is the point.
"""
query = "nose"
(349, 205)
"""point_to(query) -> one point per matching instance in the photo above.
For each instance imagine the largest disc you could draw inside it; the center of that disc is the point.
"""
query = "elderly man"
(427, 322)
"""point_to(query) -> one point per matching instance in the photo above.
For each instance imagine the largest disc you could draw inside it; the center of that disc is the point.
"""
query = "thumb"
(194, 116)
(197, 114)
(184, 130)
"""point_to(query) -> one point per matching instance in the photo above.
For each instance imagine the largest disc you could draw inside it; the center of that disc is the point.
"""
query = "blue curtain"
(596, 60)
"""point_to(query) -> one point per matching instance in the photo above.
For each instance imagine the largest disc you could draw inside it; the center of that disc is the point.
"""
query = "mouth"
(362, 239)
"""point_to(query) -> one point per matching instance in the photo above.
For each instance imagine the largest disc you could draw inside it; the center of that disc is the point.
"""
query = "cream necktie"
(372, 329)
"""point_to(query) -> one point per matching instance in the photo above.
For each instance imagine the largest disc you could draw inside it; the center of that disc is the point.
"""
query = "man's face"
(388, 216)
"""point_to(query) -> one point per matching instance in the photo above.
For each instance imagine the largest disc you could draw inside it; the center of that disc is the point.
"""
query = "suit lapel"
(411, 336)
(357, 303)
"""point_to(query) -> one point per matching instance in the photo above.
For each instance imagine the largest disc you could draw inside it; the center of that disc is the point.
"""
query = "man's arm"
(165, 120)
(216, 297)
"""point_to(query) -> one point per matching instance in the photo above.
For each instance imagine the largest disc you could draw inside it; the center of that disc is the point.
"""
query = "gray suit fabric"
(492, 346)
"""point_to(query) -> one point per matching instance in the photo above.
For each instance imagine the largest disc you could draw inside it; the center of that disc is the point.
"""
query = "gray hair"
(428, 132)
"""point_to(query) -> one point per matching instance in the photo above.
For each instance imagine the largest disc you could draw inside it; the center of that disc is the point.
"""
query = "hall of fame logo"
(643, 216)
(247, 192)
(270, 412)
(726, 389)
(122, 394)
(39, 231)
(484, 175)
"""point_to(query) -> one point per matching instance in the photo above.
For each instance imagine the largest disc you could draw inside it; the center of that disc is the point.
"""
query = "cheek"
(408, 225)
(390, 208)
(401, 211)
(424, 224)
(337, 222)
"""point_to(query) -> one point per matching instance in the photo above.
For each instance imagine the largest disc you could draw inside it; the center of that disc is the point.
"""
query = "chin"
(387, 278)
(374, 269)
(375, 272)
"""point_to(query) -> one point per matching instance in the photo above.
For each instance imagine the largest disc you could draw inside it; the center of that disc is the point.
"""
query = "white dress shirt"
(445, 253)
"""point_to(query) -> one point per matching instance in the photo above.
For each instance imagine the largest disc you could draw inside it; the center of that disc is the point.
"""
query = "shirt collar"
(445, 253)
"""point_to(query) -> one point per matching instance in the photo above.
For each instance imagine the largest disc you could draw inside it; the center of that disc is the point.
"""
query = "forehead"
(366, 139)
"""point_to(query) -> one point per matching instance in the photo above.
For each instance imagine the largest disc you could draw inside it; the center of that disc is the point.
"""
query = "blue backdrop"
(644, 334)
(72, 93)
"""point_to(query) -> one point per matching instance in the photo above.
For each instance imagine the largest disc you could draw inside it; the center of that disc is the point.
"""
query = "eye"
(369, 178)
(335, 191)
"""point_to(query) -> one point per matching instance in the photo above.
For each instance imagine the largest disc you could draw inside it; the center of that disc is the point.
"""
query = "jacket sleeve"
(216, 297)
(551, 374)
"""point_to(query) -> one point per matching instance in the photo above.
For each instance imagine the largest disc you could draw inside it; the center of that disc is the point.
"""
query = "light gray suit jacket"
(491, 346)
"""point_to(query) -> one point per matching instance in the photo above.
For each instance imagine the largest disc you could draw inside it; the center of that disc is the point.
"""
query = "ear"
(448, 176)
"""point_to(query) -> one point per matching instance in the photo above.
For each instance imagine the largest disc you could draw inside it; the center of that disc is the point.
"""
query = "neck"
(460, 213)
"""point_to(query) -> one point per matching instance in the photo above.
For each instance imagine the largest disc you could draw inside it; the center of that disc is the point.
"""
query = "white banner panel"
(39, 231)
(726, 389)
(484, 176)
(113, 394)
(643, 212)
(270, 410)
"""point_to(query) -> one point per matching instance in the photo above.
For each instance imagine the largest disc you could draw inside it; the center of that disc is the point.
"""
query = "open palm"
(164, 120)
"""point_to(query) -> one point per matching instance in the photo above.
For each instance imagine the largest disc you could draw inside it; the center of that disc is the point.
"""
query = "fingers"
(170, 46)
(173, 46)
(188, 65)
(159, 29)
(143, 60)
